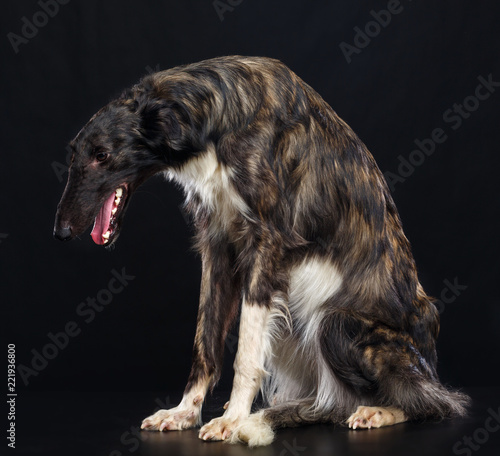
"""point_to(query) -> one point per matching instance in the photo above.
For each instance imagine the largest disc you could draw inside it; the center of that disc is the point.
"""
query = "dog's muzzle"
(63, 233)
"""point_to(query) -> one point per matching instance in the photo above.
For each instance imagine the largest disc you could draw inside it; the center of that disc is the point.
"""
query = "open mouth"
(106, 222)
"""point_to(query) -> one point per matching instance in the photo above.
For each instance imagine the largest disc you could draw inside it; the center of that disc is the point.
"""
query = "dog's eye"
(101, 156)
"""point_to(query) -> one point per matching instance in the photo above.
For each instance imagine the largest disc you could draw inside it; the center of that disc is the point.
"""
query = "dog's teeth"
(119, 192)
(117, 201)
(106, 235)
(114, 210)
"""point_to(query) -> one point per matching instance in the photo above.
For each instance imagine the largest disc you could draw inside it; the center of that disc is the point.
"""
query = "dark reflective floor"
(108, 424)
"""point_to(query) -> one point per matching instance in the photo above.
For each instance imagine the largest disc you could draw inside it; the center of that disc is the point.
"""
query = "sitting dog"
(298, 235)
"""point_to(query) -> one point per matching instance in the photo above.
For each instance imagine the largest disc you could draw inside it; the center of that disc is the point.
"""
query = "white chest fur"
(312, 283)
(211, 182)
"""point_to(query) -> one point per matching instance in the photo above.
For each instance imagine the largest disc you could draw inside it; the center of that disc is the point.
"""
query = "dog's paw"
(253, 431)
(375, 417)
(174, 419)
(218, 429)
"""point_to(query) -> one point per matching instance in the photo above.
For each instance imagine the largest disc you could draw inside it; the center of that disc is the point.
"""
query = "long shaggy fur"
(292, 216)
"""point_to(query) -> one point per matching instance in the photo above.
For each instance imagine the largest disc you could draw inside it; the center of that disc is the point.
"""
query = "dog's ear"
(158, 124)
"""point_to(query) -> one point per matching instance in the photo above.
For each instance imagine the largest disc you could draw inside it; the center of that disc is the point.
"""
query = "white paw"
(373, 417)
(253, 431)
(218, 429)
(173, 419)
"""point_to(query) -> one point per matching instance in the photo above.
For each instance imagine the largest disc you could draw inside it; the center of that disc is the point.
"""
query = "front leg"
(262, 282)
(248, 372)
(185, 416)
(219, 300)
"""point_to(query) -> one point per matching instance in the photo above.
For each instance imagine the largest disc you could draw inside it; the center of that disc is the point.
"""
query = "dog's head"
(125, 143)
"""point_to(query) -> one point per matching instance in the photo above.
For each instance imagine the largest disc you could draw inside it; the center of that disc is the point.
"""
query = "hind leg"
(384, 365)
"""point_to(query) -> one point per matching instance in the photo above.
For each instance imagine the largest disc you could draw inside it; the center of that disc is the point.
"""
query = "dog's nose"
(63, 233)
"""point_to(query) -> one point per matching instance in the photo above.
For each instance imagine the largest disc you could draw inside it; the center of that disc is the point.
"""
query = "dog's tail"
(258, 429)
(428, 401)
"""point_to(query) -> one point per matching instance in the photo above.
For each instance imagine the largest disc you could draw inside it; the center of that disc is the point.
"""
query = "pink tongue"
(101, 224)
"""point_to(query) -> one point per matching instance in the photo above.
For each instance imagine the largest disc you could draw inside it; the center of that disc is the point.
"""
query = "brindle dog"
(297, 232)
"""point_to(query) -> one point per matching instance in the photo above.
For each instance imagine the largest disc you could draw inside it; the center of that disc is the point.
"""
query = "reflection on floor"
(107, 424)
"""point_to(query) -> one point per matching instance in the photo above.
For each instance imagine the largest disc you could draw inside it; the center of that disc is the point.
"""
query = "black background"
(394, 91)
